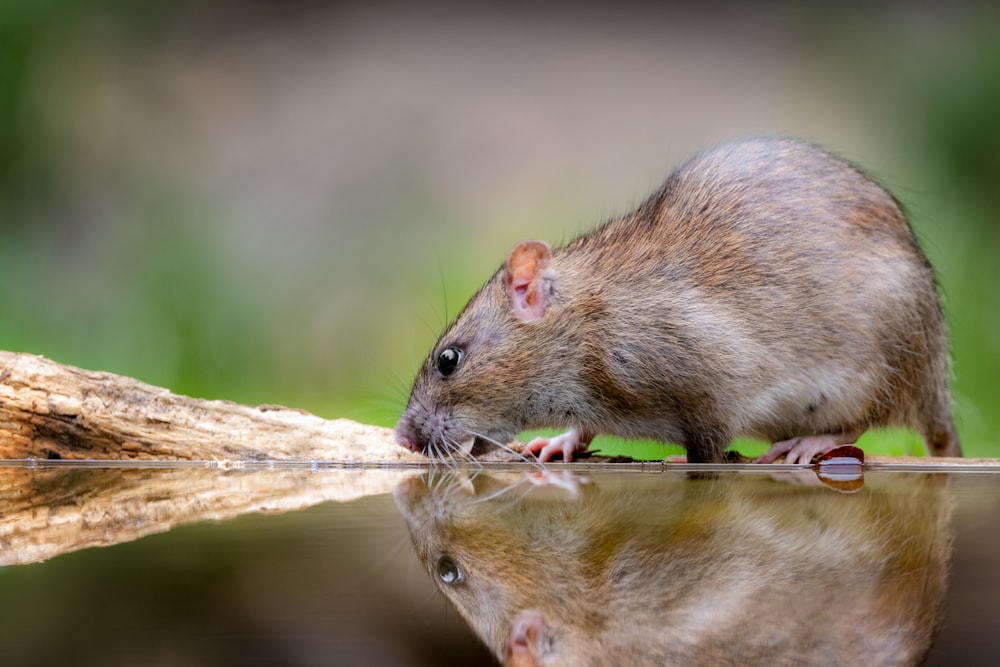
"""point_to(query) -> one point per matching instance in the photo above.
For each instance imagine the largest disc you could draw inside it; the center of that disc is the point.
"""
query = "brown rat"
(768, 289)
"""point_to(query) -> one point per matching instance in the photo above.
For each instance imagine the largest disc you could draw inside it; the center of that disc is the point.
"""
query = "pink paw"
(801, 450)
(565, 444)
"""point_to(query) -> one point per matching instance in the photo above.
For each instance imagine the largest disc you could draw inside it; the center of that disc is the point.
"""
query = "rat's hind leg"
(802, 449)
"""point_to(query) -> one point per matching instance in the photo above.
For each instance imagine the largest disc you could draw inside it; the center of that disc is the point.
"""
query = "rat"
(768, 289)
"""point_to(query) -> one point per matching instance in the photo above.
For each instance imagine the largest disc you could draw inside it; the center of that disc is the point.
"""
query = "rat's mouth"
(464, 446)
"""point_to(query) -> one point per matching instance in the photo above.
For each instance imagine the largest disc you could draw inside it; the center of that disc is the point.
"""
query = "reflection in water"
(51, 509)
(201, 566)
(671, 569)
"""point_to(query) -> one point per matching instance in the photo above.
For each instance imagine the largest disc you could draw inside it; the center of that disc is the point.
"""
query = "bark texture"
(52, 411)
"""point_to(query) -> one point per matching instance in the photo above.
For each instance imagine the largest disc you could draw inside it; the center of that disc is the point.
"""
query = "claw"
(803, 449)
(565, 444)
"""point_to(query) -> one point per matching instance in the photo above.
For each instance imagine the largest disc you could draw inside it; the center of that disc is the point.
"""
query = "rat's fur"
(767, 289)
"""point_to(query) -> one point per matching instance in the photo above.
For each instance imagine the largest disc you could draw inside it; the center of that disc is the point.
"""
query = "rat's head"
(502, 367)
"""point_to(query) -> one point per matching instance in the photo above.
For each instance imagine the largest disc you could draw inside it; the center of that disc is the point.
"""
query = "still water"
(303, 565)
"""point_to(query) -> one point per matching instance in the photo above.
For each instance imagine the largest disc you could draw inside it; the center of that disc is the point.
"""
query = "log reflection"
(50, 509)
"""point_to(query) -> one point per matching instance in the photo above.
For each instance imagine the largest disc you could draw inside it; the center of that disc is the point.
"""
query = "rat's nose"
(406, 440)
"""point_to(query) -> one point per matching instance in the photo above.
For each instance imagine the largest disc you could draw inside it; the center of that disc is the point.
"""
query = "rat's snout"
(432, 433)
(408, 442)
(405, 435)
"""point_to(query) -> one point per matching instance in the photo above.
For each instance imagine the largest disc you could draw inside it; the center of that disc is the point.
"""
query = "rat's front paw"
(566, 444)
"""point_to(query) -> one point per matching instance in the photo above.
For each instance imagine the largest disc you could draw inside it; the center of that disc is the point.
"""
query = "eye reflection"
(449, 572)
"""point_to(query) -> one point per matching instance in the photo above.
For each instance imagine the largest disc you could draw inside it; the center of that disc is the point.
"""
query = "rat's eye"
(449, 572)
(448, 360)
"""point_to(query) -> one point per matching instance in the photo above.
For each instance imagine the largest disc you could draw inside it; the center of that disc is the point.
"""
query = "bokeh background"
(284, 202)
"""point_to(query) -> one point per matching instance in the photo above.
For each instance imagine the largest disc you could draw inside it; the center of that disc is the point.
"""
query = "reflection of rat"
(675, 570)
(767, 289)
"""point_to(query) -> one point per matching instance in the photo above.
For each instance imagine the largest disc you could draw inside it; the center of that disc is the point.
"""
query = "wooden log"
(53, 411)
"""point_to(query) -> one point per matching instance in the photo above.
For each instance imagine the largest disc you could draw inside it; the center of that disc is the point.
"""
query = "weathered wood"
(53, 411)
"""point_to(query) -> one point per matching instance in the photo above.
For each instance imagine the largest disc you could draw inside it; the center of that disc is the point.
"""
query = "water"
(298, 565)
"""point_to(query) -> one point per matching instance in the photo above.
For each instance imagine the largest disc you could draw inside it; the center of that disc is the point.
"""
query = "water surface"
(306, 565)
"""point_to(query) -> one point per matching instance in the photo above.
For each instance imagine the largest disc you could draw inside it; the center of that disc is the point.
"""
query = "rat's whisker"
(507, 448)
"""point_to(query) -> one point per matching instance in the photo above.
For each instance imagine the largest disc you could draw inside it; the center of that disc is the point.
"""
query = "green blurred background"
(284, 202)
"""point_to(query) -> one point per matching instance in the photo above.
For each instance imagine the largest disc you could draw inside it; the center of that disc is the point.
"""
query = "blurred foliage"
(948, 111)
(144, 277)
(29, 31)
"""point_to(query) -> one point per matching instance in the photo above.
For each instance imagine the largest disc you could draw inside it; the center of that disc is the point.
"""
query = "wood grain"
(53, 411)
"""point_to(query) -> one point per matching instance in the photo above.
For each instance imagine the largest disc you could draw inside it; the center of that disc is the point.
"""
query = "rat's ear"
(524, 277)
